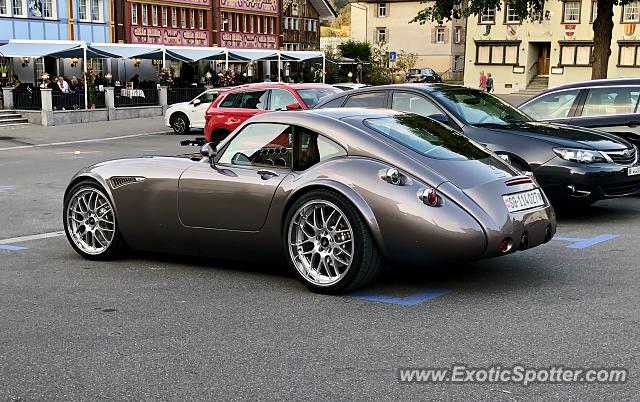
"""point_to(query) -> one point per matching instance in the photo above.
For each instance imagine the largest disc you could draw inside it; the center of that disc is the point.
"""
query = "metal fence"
(27, 99)
(75, 100)
(136, 97)
(176, 95)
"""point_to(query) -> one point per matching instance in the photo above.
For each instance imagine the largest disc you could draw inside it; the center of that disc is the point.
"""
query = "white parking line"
(32, 237)
(120, 137)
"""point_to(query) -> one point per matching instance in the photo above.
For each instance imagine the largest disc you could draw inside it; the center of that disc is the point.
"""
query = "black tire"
(180, 124)
(366, 261)
(117, 247)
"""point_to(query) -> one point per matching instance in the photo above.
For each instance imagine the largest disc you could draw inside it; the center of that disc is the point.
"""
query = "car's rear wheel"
(90, 222)
(329, 245)
(180, 124)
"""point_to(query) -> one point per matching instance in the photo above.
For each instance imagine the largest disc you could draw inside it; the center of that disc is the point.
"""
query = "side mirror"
(196, 102)
(440, 118)
(209, 151)
(293, 106)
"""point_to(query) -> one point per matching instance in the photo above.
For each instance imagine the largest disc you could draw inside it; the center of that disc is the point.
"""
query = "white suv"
(184, 116)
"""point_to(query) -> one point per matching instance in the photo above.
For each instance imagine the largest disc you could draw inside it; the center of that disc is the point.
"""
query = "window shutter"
(446, 35)
(433, 35)
(388, 9)
(463, 35)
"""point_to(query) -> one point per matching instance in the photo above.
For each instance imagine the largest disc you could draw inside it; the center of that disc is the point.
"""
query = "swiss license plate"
(633, 171)
(524, 200)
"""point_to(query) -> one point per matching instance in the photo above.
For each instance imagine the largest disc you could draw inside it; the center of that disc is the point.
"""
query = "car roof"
(276, 85)
(595, 83)
(347, 112)
(432, 87)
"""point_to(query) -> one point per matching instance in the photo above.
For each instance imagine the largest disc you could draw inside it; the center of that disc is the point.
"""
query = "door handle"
(265, 174)
(234, 121)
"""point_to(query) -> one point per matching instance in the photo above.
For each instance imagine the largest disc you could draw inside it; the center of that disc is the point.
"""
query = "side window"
(254, 100)
(280, 99)
(608, 101)
(230, 99)
(312, 148)
(555, 105)
(369, 100)
(208, 97)
(260, 144)
(337, 102)
(407, 102)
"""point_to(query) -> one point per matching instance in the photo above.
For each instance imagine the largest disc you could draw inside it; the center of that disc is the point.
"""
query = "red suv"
(234, 106)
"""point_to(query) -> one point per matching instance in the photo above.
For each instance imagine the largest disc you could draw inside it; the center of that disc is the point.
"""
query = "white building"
(439, 46)
(557, 46)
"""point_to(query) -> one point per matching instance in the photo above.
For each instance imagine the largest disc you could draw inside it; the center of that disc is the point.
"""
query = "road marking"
(51, 144)
(410, 300)
(77, 152)
(585, 243)
(32, 237)
(4, 189)
(12, 248)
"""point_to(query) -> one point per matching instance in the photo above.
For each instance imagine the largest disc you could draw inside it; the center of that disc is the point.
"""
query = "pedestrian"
(64, 92)
(15, 81)
(489, 83)
(483, 81)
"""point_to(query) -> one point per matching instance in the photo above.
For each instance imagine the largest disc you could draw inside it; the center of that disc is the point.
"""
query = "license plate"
(633, 171)
(525, 200)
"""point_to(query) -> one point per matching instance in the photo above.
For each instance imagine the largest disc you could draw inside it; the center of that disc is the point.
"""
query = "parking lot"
(163, 327)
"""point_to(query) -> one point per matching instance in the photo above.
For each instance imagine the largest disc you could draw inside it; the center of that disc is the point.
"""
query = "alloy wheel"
(90, 221)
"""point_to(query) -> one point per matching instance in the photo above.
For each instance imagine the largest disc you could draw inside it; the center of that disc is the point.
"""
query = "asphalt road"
(175, 328)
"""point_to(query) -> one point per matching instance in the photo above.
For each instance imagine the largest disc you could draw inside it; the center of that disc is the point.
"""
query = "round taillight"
(430, 197)
(393, 176)
(505, 245)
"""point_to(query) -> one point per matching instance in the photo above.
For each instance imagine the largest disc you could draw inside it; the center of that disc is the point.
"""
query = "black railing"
(136, 97)
(27, 99)
(177, 95)
(74, 100)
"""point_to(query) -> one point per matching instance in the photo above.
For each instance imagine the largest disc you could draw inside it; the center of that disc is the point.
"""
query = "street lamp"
(74, 61)
(136, 62)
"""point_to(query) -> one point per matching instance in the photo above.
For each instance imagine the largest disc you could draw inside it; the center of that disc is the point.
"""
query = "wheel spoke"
(96, 235)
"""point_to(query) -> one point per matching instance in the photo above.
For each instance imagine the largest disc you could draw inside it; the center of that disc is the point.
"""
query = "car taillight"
(430, 197)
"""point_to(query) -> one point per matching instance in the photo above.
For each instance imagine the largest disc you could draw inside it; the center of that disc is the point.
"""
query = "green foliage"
(443, 10)
(353, 49)
(343, 18)
(378, 71)
(406, 61)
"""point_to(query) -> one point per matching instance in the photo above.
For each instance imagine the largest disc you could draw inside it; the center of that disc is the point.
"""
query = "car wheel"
(180, 124)
(329, 245)
(90, 222)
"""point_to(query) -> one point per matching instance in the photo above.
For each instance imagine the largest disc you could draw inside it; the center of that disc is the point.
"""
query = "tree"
(602, 26)
(354, 49)
(406, 61)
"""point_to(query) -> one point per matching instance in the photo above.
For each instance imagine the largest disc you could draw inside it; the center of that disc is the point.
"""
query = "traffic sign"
(393, 56)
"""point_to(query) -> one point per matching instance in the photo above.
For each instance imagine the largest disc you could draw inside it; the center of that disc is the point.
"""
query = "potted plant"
(89, 81)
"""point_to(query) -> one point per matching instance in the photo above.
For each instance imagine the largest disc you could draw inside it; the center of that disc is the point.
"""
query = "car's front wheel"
(180, 124)
(329, 244)
(90, 222)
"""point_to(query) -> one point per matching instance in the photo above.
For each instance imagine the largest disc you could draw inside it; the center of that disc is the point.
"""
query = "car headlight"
(580, 155)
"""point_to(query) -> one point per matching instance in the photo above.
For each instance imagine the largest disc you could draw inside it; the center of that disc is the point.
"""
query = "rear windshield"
(312, 96)
(426, 137)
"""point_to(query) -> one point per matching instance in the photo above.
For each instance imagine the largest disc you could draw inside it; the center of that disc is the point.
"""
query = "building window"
(96, 10)
(458, 34)
(183, 17)
(164, 16)
(440, 35)
(49, 8)
(488, 16)
(382, 10)
(381, 35)
(82, 10)
(201, 19)
(631, 12)
(19, 8)
(174, 17)
(571, 11)
(134, 14)
(497, 53)
(251, 24)
(192, 19)
(224, 22)
(510, 15)
(629, 54)
(97, 65)
(154, 15)
(145, 16)
(574, 54)
(272, 24)
(594, 10)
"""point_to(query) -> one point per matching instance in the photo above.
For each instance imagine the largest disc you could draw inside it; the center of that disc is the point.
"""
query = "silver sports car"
(337, 193)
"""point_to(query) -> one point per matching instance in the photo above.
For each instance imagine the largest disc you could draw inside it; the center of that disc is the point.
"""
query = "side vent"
(120, 181)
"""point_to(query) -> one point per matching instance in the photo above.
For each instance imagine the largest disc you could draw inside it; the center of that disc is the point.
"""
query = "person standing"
(483, 81)
(489, 83)
(64, 92)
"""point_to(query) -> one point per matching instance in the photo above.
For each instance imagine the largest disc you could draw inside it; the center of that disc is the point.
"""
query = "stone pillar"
(162, 98)
(110, 102)
(47, 107)
(7, 96)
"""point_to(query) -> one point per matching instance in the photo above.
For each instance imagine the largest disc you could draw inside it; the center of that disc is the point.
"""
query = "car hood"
(178, 105)
(566, 136)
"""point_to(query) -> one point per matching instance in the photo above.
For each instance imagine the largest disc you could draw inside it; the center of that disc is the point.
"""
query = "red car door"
(250, 104)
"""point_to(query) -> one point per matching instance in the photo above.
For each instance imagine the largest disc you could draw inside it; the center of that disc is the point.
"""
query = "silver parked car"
(335, 192)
